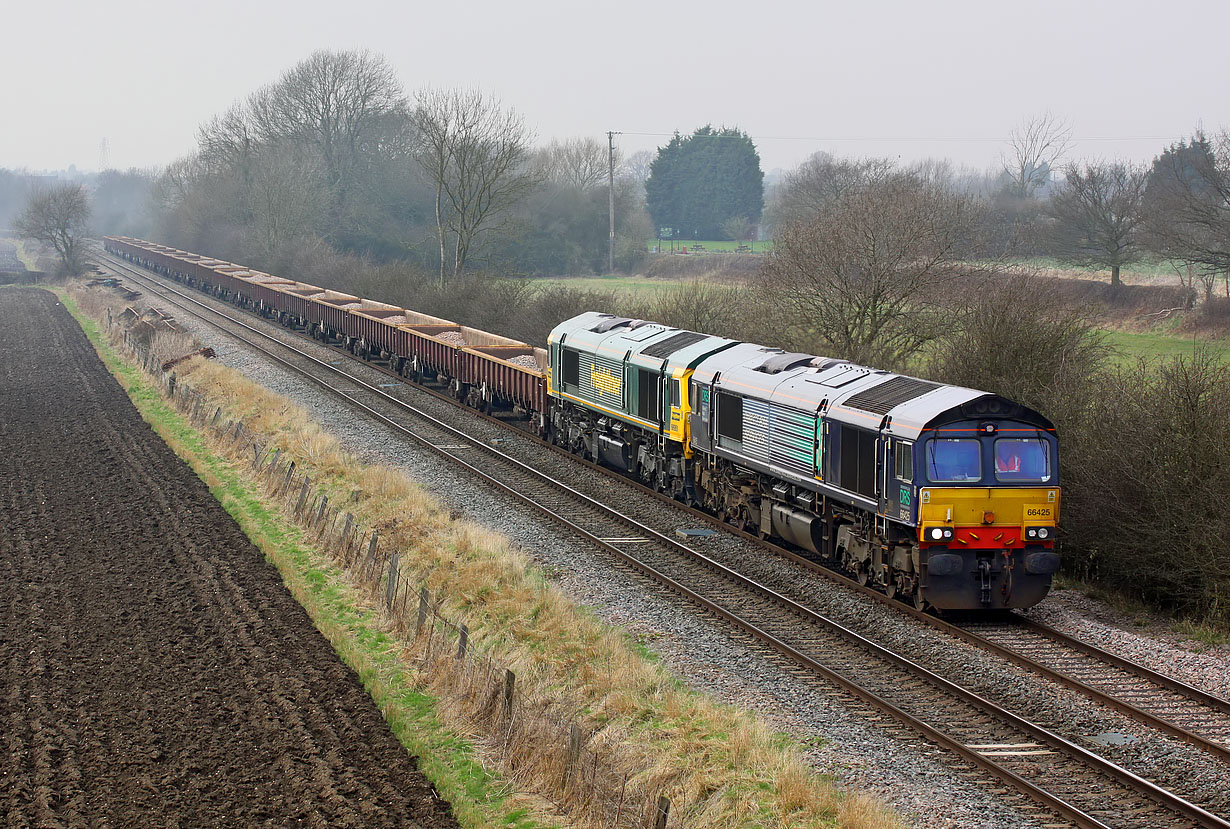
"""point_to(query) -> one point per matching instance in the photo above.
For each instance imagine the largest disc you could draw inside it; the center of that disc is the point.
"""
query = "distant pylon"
(103, 155)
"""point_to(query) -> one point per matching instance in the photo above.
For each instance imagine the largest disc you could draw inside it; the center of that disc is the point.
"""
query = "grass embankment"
(720, 766)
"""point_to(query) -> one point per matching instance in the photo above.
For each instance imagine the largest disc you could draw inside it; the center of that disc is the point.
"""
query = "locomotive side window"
(1023, 460)
(648, 395)
(676, 394)
(857, 461)
(952, 460)
(730, 416)
(903, 460)
(572, 367)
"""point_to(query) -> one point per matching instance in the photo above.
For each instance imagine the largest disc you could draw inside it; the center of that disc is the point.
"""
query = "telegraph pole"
(610, 156)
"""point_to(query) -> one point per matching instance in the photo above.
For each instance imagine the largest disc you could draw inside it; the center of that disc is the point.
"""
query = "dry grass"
(720, 766)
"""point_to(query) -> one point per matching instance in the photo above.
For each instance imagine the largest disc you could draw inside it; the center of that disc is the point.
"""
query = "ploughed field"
(155, 669)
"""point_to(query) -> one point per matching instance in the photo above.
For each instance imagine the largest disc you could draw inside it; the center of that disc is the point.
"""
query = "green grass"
(710, 246)
(1150, 270)
(448, 761)
(634, 285)
(1132, 345)
(1210, 636)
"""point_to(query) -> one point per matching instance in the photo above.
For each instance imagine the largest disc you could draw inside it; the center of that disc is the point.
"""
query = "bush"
(1151, 518)
(1018, 338)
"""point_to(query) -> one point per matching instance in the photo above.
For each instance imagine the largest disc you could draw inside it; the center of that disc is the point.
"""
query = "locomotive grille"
(882, 398)
(794, 439)
(780, 436)
(673, 343)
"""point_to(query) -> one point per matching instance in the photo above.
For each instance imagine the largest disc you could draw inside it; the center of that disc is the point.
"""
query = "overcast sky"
(946, 78)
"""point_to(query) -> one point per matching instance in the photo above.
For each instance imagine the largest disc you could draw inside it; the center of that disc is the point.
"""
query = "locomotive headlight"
(1043, 532)
(1039, 533)
(937, 533)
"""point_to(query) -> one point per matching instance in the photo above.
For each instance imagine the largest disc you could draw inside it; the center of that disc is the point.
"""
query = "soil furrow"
(157, 671)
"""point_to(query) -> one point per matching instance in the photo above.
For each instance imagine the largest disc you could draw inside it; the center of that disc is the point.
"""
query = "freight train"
(942, 496)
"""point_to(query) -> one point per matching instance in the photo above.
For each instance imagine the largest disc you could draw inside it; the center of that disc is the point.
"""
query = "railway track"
(1054, 771)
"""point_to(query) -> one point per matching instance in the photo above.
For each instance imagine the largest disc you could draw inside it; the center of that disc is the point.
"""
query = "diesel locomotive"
(943, 496)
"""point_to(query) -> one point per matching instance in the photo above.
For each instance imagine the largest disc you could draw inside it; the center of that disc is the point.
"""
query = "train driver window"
(950, 460)
(676, 400)
(1024, 460)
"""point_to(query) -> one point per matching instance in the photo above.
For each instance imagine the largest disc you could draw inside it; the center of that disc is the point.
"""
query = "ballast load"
(944, 496)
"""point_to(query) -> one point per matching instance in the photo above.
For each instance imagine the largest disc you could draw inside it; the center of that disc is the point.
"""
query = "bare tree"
(475, 154)
(636, 167)
(1098, 214)
(228, 141)
(285, 194)
(1187, 207)
(337, 103)
(820, 181)
(862, 280)
(57, 217)
(1034, 148)
(580, 163)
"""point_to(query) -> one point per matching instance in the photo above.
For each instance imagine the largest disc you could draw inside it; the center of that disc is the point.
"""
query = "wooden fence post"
(324, 505)
(663, 812)
(371, 554)
(303, 494)
(390, 589)
(463, 639)
(344, 540)
(574, 752)
(290, 470)
(424, 603)
(510, 680)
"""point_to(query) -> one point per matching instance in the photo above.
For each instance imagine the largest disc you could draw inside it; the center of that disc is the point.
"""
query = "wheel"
(892, 589)
(862, 575)
(920, 603)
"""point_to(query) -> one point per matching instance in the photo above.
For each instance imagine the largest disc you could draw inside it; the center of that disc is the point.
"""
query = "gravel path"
(913, 776)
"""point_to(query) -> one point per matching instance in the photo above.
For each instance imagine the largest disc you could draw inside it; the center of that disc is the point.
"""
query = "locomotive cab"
(987, 478)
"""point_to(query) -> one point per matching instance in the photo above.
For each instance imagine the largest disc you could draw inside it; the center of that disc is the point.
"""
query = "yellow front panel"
(677, 427)
(957, 506)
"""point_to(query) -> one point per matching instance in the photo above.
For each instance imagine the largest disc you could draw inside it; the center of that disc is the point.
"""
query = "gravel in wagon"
(525, 361)
(451, 337)
(910, 774)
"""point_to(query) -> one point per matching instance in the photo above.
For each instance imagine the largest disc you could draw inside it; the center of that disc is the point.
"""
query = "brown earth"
(156, 671)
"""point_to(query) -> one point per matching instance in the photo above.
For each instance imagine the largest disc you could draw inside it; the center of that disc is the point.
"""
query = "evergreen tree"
(698, 183)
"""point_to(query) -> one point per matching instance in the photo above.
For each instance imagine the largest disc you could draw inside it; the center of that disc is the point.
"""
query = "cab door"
(897, 478)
